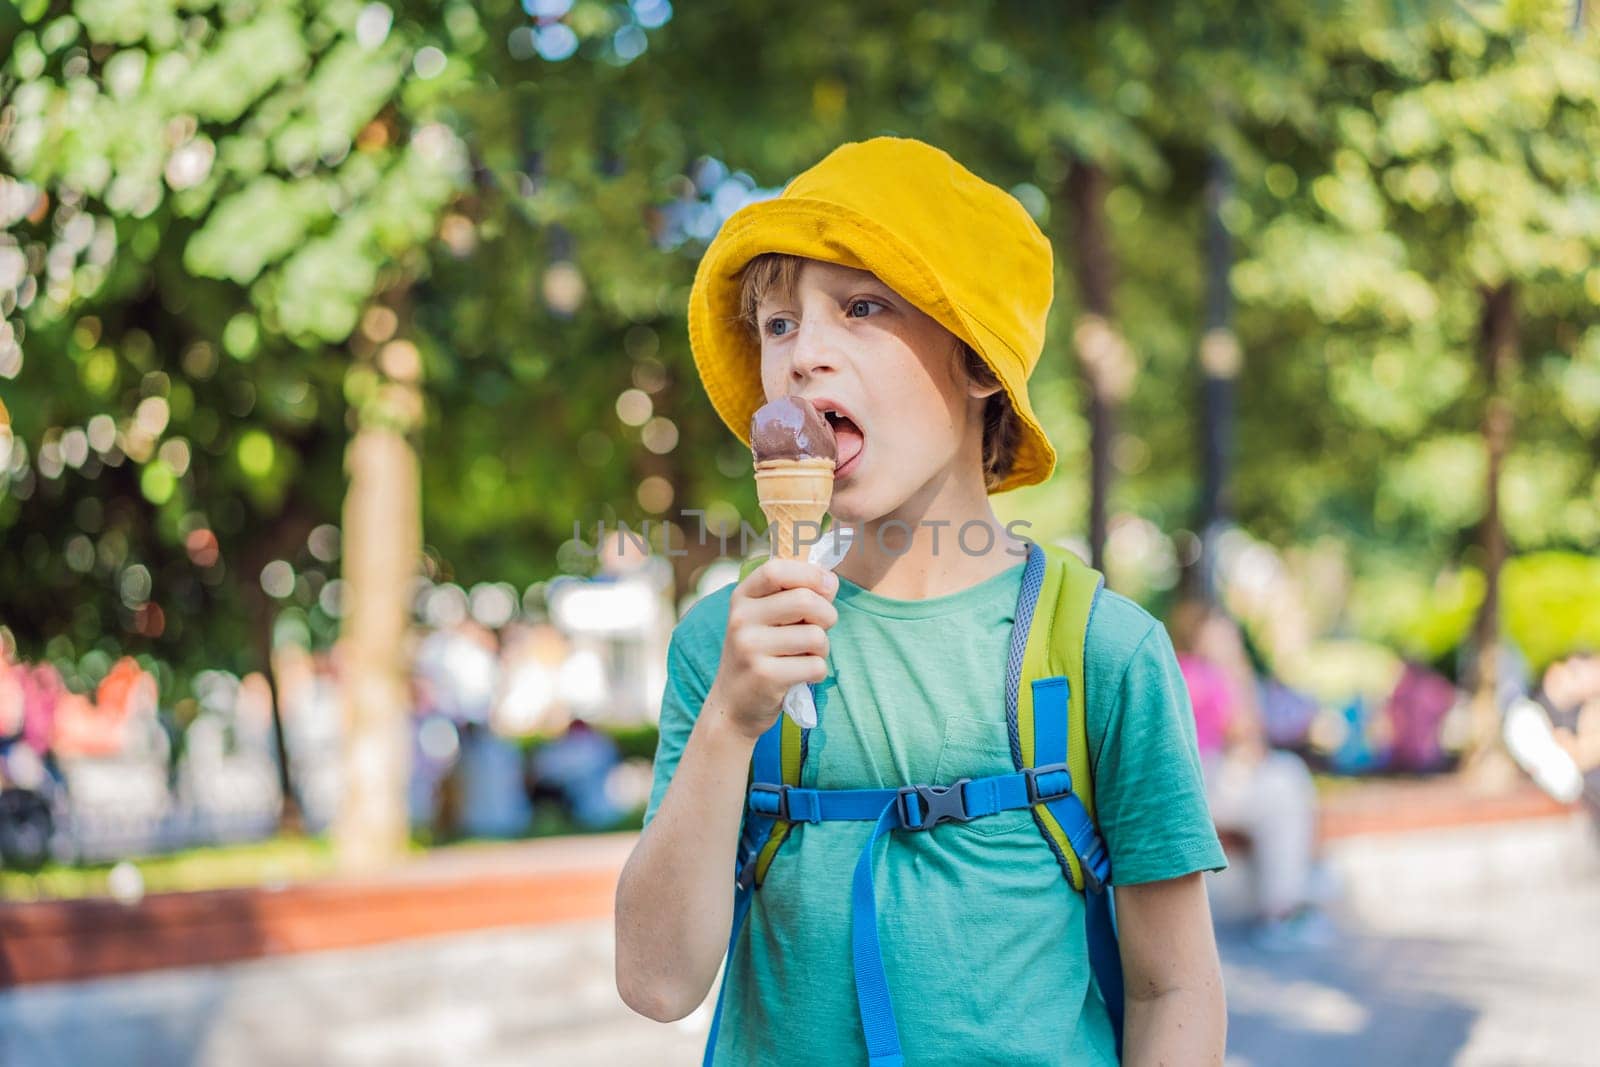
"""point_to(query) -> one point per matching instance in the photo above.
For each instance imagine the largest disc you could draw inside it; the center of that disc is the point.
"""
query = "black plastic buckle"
(746, 876)
(940, 803)
(782, 793)
(1091, 882)
(1031, 774)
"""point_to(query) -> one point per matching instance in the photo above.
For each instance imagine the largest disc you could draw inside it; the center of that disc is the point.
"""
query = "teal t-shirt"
(983, 938)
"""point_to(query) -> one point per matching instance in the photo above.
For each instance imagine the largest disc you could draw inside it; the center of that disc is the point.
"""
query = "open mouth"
(849, 438)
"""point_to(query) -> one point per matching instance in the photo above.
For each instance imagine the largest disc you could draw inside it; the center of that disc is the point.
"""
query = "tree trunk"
(1499, 352)
(381, 555)
(1102, 353)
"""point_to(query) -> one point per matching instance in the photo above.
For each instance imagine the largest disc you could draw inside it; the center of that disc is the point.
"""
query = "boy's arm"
(1175, 1009)
(675, 895)
(1151, 807)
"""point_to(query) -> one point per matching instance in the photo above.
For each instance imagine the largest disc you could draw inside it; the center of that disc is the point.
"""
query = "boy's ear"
(966, 362)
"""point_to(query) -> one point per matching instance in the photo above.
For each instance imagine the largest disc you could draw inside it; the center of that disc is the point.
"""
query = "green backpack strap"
(1051, 704)
(1057, 635)
(778, 756)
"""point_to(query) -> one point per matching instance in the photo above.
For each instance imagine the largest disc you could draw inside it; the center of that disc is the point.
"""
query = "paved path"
(1477, 983)
(1458, 948)
(523, 996)
(1502, 982)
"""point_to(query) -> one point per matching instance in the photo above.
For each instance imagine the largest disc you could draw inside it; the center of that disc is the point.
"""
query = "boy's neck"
(954, 542)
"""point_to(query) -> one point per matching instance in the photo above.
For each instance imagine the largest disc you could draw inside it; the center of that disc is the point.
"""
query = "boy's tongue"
(788, 429)
(849, 438)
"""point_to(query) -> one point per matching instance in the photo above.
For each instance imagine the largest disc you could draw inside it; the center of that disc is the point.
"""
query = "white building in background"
(619, 622)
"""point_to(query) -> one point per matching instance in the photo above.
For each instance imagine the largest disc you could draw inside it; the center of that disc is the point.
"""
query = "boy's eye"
(858, 308)
(777, 327)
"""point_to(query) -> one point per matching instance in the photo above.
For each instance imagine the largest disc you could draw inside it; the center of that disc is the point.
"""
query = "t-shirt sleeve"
(1149, 792)
(692, 658)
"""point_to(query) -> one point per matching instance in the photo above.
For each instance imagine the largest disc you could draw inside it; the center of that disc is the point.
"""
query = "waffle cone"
(792, 492)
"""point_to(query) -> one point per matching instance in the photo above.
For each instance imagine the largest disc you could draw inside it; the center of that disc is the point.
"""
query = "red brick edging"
(1393, 807)
(512, 885)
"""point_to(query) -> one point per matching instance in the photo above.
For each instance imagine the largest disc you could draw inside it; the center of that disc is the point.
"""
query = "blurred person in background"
(1571, 693)
(455, 682)
(29, 783)
(573, 769)
(313, 725)
(618, 622)
(1555, 733)
(1254, 791)
(42, 690)
(112, 724)
(458, 671)
(638, 655)
(13, 705)
(116, 761)
(530, 665)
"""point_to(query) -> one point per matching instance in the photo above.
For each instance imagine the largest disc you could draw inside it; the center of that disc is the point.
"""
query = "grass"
(274, 862)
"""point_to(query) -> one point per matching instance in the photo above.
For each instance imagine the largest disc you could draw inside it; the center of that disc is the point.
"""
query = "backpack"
(1049, 748)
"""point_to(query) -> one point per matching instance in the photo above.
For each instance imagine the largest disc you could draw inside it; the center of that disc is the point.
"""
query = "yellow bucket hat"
(963, 251)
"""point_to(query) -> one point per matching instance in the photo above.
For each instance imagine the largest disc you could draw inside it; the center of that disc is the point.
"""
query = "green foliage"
(1549, 607)
(231, 190)
(208, 199)
(1444, 155)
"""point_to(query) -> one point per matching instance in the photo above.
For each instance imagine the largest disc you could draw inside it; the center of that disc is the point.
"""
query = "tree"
(1449, 228)
(207, 201)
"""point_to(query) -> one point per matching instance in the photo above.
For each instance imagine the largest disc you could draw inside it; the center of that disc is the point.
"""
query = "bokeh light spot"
(157, 483)
(201, 545)
(135, 585)
(660, 435)
(655, 494)
(323, 542)
(555, 42)
(634, 407)
(652, 14)
(102, 433)
(563, 288)
(429, 62)
(277, 578)
(256, 453)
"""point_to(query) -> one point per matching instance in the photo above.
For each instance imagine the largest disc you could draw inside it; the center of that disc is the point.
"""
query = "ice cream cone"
(794, 492)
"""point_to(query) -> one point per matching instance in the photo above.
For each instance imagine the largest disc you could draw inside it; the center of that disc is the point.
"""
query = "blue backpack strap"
(778, 757)
(759, 833)
(1049, 734)
(1039, 785)
(777, 802)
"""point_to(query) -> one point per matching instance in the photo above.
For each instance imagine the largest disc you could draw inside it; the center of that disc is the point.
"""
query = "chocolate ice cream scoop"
(790, 428)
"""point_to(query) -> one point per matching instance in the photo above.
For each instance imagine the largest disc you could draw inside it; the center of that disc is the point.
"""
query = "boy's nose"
(812, 353)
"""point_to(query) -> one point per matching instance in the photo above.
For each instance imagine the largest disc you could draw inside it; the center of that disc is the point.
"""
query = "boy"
(906, 298)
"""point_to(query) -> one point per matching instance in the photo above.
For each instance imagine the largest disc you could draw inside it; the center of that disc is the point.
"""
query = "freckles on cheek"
(772, 378)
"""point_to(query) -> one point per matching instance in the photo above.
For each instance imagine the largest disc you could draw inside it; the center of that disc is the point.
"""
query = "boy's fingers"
(793, 670)
(776, 575)
(791, 606)
(801, 640)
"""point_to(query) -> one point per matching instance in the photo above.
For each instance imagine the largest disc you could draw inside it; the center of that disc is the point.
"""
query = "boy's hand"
(777, 636)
